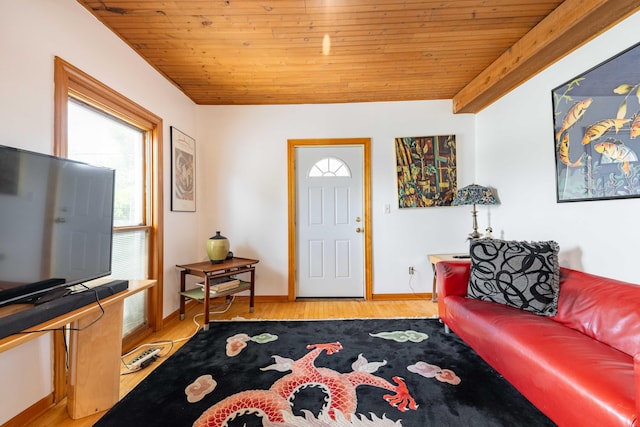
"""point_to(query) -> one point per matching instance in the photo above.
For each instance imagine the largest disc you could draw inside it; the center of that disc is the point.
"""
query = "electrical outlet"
(411, 270)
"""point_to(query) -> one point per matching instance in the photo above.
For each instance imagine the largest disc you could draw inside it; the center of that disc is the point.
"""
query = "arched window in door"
(329, 167)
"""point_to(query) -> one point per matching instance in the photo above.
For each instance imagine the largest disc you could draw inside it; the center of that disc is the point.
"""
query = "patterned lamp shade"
(475, 194)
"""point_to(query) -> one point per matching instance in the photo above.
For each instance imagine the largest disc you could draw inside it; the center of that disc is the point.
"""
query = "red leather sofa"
(580, 367)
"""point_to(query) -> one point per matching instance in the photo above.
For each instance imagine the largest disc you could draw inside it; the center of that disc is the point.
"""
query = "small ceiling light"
(326, 44)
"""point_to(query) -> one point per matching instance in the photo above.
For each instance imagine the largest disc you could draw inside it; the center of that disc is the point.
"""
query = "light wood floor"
(300, 310)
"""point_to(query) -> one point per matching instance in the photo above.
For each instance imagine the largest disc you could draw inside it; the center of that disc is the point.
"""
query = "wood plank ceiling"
(250, 52)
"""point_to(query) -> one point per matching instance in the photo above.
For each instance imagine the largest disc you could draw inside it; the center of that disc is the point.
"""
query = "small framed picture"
(183, 172)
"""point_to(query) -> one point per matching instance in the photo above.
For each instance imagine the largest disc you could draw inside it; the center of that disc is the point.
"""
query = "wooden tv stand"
(94, 353)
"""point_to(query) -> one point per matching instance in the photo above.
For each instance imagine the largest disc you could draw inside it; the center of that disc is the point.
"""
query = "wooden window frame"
(70, 81)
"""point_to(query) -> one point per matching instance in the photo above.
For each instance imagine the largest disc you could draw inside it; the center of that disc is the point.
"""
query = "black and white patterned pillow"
(524, 275)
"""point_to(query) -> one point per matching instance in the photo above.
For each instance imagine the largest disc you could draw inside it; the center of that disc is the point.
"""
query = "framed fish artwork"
(426, 167)
(596, 119)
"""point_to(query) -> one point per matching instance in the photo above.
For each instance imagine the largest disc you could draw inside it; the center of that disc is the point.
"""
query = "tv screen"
(56, 223)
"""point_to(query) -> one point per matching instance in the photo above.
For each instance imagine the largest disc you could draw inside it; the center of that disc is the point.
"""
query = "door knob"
(359, 230)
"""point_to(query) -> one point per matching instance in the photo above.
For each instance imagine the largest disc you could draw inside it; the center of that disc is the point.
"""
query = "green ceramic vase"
(217, 248)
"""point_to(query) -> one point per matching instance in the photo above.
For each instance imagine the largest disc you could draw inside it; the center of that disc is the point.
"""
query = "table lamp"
(475, 195)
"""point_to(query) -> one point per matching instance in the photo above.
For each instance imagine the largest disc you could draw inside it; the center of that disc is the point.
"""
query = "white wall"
(246, 183)
(31, 34)
(515, 154)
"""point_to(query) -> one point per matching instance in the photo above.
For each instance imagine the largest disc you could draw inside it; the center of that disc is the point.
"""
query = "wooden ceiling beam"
(568, 27)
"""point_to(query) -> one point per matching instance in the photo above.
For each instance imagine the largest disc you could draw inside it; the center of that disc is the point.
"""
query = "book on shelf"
(220, 284)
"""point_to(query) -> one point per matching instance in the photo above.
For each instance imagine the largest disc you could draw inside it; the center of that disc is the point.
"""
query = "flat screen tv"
(56, 223)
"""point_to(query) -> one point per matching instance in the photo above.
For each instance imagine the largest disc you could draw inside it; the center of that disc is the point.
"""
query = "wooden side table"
(210, 271)
(436, 258)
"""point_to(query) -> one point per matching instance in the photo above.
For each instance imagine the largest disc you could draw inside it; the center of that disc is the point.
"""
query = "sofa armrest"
(636, 364)
(452, 278)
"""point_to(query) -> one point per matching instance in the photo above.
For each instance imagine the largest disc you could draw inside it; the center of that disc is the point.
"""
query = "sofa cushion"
(604, 309)
(573, 379)
(523, 275)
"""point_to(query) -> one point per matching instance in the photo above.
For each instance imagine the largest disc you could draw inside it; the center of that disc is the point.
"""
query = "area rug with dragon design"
(373, 372)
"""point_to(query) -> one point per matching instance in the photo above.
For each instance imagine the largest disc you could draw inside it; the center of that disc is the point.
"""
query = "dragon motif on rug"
(274, 405)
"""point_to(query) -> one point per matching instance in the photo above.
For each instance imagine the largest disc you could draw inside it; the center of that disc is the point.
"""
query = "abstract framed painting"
(596, 131)
(426, 168)
(183, 172)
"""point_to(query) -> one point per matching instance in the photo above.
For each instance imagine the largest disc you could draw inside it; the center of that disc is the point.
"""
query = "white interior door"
(330, 223)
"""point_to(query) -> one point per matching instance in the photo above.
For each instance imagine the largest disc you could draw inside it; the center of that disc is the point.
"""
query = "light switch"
(387, 208)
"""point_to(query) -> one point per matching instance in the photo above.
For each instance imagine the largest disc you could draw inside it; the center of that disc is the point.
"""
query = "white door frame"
(292, 191)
